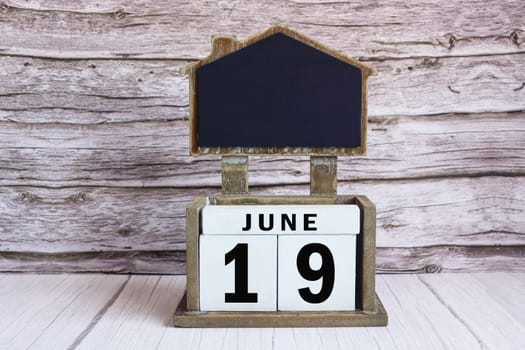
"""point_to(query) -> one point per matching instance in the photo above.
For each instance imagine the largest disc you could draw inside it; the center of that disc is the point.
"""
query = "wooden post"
(192, 253)
(323, 175)
(367, 255)
(234, 174)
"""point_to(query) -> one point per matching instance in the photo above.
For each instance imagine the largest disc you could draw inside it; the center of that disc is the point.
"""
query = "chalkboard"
(278, 92)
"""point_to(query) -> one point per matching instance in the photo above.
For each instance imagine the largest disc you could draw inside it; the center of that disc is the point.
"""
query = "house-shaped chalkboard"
(277, 93)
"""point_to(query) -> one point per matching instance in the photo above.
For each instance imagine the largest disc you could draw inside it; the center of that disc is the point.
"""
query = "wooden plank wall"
(94, 165)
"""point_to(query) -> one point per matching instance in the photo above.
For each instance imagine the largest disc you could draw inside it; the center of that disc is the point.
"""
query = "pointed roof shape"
(278, 92)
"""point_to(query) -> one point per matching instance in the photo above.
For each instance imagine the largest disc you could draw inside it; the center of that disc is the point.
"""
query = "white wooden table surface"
(434, 311)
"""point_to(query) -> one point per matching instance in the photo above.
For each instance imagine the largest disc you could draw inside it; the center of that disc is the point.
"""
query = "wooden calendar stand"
(323, 187)
(369, 310)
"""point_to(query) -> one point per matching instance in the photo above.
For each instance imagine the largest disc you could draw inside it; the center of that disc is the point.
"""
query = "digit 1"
(326, 272)
(239, 253)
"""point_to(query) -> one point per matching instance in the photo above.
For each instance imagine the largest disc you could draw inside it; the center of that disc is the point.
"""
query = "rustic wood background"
(94, 165)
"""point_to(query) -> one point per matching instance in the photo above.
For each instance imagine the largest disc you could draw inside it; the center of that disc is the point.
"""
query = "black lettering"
(285, 219)
(239, 254)
(326, 272)
(309, 220)
(261, 222)
(248, 222)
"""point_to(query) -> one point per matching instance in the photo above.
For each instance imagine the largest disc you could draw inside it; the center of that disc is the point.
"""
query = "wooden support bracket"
(234, 174)
(323, 175)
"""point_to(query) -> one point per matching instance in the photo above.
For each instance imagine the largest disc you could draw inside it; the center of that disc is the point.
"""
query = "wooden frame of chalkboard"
(225, 45)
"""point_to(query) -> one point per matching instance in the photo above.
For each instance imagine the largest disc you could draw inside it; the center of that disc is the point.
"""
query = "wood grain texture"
(279, 319)
(445, 311)
(92, 219)
(91, 91)
(434, 85)
(108, 261)
(182, 29)
(104, 91)
(323, 175)
(139, 317)
(506, 290)
(366, 256)
(94, 166)
(430, 259)
(50, 311)
(422, 319)
(234, 174)
(153, 154)
(193, 224)
(450, 258)
(487, 211)
(503, 329)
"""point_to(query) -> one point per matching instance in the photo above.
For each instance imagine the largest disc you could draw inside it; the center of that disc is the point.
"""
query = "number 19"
(326, 272)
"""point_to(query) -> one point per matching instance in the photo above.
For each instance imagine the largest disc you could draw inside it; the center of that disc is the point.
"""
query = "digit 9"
(326, 271)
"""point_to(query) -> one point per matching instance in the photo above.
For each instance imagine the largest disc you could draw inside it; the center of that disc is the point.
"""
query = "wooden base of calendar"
(216, 319)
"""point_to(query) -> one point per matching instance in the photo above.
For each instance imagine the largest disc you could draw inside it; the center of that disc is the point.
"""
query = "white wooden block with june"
(238, 272)
(316, 272)
(278, 219)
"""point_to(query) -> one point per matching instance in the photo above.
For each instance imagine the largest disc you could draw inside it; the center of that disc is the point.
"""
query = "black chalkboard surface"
(278, 92)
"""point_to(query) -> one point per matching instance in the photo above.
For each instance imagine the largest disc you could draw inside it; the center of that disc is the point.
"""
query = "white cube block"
(316, 273)
(238, 272)
(280, 219)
